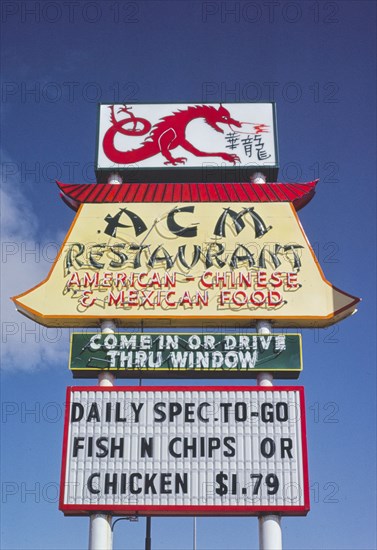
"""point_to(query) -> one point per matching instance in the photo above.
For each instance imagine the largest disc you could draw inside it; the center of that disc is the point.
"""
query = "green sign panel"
(180, 355)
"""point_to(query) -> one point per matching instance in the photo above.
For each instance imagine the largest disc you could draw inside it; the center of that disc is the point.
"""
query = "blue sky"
(317, 61)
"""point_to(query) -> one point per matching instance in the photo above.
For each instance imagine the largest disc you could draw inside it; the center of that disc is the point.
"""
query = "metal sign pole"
(270, 536)
(100, 533)
(148, 538)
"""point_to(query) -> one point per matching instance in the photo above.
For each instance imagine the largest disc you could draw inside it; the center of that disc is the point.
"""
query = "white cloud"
(25, 262)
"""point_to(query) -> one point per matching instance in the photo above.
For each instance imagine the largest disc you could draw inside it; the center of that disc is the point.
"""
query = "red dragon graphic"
(166, 135)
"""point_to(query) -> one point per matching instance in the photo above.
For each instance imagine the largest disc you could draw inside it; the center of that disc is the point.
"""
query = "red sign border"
(172, 510)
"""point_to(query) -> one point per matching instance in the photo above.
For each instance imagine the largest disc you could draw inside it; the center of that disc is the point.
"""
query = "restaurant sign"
(179, 265)
(185, 451)
(173, 355)
(182, 142)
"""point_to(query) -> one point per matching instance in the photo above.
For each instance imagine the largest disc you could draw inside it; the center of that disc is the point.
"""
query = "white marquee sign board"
(186, 142)
(185, 451)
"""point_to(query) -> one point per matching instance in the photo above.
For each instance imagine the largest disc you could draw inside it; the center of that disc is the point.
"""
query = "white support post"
(114, 179)
(100, 533)
(107, 378)
(264, 378)
(270, 533)
(258, 177)
(270, 536)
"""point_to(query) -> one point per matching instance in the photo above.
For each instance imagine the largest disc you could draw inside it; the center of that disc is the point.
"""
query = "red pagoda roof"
(75, 194)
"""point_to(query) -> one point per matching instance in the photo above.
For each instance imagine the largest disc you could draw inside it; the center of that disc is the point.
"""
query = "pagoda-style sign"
(185, 227)
(163, 254)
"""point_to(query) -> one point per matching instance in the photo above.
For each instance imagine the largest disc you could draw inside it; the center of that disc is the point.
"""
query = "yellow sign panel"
(168, 265)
